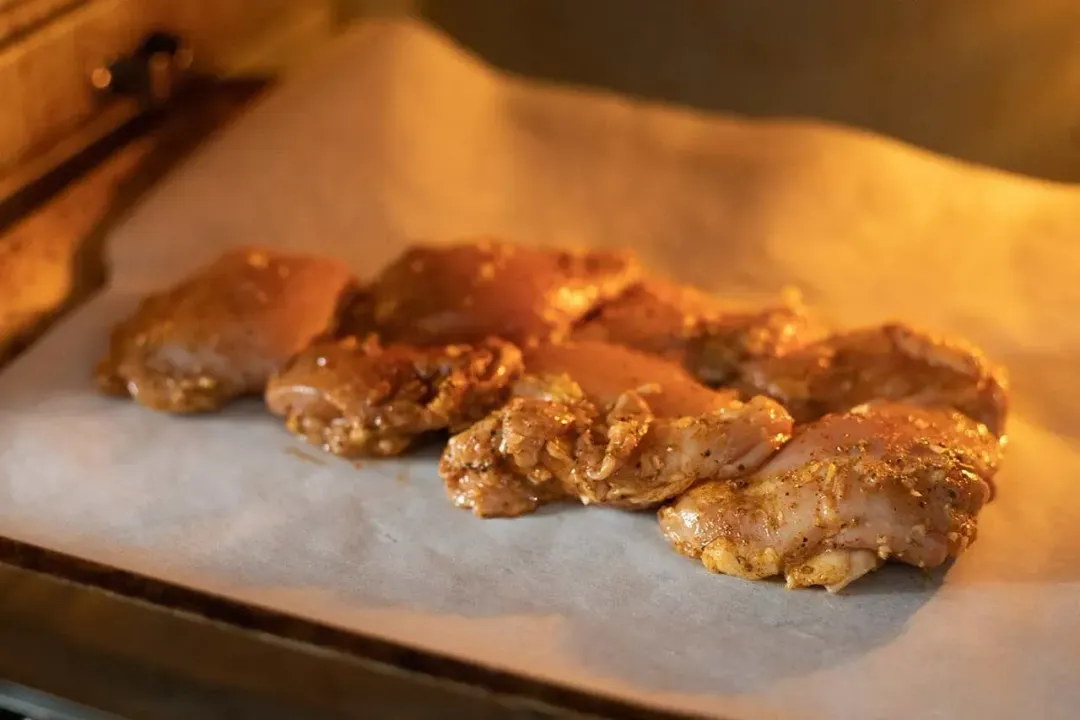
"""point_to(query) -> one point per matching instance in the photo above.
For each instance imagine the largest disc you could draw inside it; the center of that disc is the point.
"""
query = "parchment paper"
(395, 135)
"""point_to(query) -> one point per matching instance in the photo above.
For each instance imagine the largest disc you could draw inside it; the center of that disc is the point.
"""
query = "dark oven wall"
(991, 81)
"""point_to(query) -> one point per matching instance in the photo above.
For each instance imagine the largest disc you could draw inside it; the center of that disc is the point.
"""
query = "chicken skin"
(468, 292)
(891, 362)
(357, 315)
(221, 333)
(885, 481)
(709, 336)
(606, 425)
(356, 397)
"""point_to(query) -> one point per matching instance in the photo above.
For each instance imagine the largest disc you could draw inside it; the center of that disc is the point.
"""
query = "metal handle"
(150, 73)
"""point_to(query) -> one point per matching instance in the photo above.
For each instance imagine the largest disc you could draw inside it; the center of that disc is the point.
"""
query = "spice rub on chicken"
(221, 333)
(851, 490)
(470, 291)
(606, 425)
(357, 397)
(890, 362)
(711, 337)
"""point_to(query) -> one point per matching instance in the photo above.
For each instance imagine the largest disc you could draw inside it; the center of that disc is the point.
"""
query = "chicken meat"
(467, 292)
(609, 426)
(224, 331)
(890, 362)
(356, 397)
(711, 337)
(851, 490)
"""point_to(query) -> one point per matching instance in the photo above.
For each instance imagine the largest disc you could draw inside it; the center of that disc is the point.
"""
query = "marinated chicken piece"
(610, 426)
(357, 315)
(891, 362)
(710, 337)
(466, 292)
(224, 331)
(357, 397)
(886, 481)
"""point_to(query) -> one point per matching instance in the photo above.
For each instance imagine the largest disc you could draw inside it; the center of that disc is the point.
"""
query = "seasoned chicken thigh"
(847, 493)
(221, 333)
(609, 426)
(467, 292)
(891, 362)
(357, 315)
(357, 397)
(712, 338)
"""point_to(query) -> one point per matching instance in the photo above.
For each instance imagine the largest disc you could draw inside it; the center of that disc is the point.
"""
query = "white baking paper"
(395, 135)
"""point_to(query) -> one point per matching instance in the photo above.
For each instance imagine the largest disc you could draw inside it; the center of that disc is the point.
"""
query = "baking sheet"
(395, 135)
